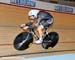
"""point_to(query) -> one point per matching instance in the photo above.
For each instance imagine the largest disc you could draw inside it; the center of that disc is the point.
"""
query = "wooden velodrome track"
(12, 16)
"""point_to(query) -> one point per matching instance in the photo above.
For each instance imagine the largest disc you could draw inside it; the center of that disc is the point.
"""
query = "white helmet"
(33, 13)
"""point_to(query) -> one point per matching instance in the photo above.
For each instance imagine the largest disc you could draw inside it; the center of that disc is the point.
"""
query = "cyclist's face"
(31, 17)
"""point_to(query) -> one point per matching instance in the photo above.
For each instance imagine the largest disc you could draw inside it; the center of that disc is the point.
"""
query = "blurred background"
(62, 2)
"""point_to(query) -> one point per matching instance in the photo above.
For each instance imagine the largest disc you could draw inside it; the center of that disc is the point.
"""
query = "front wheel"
(50, 40)
(23, 41)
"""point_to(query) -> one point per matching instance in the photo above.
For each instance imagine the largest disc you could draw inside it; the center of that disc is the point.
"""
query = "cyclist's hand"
(22, 25)
(26, 27)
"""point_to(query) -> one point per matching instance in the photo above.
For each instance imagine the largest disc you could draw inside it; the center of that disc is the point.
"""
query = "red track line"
(12, 44)
(6, 44)
(68, 42)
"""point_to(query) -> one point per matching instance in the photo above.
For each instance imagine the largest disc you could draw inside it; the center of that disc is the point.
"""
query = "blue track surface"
(55, 57)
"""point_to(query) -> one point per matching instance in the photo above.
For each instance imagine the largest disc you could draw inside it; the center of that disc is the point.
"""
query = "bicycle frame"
(34, 34)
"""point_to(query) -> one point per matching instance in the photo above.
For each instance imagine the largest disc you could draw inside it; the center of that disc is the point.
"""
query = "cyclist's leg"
(41, 28)
(40, 31)
(48, 24)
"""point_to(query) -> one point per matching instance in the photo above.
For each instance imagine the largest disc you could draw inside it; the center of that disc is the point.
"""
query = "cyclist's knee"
(40, 27)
